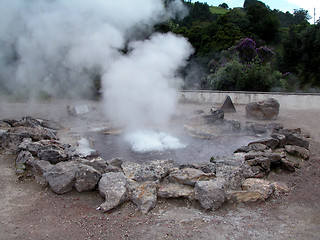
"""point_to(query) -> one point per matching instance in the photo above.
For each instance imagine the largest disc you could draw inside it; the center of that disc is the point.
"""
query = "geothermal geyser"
(141, 90)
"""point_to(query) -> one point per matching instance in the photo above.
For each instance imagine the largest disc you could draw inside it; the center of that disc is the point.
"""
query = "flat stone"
(245, 196)
(210, 194)
(112, 186)
(189, 176)
(175, 190)
(264, 187)
(269, 142)
(297, 151)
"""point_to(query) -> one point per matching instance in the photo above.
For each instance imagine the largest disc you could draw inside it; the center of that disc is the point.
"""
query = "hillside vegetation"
(250, 48)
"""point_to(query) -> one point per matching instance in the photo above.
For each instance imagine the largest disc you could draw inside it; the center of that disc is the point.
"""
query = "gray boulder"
(149, 171)
(112, 186)
(39, 168)
(210, 194)
(267, 109)
(62, 176)
(87, 178)
(52, 153)
(143, 194)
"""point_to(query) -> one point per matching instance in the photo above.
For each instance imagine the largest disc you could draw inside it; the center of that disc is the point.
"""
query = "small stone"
(21, 160)
(280, 188)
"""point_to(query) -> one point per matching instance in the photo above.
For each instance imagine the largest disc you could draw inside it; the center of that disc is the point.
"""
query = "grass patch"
(218, 10)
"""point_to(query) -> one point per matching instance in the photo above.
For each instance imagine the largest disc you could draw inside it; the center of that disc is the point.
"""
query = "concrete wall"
(286, 100)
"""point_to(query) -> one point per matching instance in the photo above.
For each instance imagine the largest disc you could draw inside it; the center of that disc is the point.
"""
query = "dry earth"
(28, 211)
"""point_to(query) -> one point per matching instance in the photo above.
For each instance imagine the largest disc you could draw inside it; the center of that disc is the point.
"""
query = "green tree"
(224, 5)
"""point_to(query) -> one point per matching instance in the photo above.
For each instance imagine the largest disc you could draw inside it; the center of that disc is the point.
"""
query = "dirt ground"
(28, 211)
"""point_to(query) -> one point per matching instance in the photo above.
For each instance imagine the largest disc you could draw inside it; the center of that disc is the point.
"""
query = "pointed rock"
(227, 105)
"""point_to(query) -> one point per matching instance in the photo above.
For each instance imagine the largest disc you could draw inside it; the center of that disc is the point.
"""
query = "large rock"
(233, 175)
(154, 170)
(61, 177)
(87, 178)
(149, 171)
(143, 194)
(267, 109)
(112, 186)
(210, 194)
(39, 168)
(189, 176)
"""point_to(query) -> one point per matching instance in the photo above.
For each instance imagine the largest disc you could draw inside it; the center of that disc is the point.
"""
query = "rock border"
(237, 178)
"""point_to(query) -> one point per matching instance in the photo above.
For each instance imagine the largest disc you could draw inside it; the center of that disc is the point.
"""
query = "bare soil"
(28, 211)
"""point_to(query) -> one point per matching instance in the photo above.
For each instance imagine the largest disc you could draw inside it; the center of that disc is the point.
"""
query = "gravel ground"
(28, 211)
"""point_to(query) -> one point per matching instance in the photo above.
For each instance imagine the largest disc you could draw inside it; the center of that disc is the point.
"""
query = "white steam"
(141, 87)
(149, 140)
(58, 46)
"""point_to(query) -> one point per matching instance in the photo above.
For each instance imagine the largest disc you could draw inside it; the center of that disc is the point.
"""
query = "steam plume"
(58, 46)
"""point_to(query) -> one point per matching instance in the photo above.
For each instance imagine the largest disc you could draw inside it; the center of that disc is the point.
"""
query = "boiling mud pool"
(145, 145)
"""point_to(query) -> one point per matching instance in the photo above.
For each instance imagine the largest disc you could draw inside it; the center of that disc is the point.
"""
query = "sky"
(282, 5)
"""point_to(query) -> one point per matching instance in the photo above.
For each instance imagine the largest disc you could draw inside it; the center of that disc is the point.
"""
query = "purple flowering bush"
(247, 68)
(247, 50)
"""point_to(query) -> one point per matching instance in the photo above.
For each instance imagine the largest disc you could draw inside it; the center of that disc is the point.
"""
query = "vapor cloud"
(58, 45)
